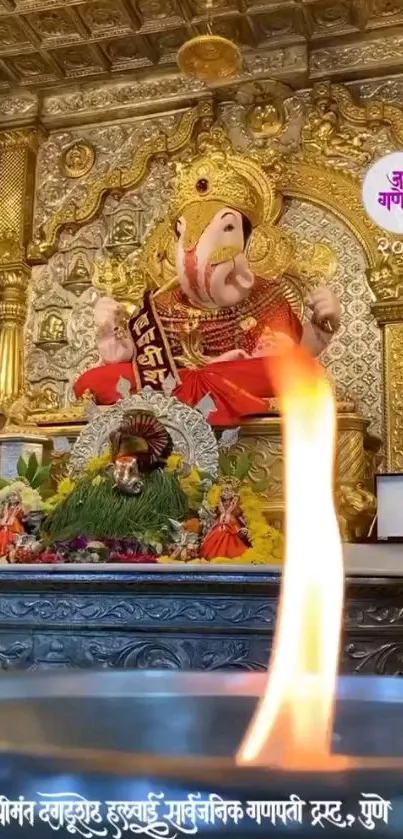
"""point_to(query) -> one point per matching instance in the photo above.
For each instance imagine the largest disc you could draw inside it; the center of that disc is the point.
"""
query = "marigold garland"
(65, 487)
(267, 546)
(267, 543)
(97, 463)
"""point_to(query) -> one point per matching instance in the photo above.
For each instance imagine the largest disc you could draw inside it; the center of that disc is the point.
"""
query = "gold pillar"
(389, 314)
(18, 149)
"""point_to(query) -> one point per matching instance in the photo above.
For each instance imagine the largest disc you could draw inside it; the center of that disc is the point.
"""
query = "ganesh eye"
(228, 228)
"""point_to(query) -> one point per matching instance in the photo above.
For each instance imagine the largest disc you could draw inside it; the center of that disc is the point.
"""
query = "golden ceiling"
(48, 43)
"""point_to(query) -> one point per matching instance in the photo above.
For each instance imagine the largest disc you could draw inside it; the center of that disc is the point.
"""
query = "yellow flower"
(214, 495)
(95, 464)
(97, 481)
(31, 500)
(174, 463)
(66, 486)
(267, 543)
(15, 487)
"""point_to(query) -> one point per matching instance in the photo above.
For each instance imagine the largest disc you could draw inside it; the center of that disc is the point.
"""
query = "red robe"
(237, 388)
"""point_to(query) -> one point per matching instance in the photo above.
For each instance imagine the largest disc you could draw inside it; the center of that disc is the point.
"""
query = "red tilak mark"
(191, 270)
(208, 272)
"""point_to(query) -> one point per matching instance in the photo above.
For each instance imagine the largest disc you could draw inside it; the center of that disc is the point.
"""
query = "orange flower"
(192, 525)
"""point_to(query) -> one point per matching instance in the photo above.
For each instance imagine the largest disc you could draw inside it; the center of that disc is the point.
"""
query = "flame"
(292, 727)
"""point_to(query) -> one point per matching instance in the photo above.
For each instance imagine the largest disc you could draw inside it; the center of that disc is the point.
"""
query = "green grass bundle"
(99, 511)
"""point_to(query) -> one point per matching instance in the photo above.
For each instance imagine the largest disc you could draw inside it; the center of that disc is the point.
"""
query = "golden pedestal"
(357, 452)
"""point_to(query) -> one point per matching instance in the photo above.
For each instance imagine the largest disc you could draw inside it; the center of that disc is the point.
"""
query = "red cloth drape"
(237, 388)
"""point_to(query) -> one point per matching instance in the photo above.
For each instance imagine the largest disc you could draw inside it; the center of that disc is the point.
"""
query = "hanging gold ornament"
(209, 57)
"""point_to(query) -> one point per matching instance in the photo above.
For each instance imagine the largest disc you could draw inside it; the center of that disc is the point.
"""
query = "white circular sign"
(382, 192)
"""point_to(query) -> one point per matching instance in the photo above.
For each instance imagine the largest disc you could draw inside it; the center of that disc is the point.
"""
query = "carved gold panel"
(43, 42)
(354, 355)
(393, 372)
(261, 440)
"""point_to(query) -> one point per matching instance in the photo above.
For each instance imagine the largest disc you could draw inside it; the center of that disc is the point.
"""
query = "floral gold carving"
(365, 116)
(393, 373)
(11, 249)
(261, 440)
(359, 54)
(265, 116)
(339, 191)
(163, 144)
(323, 134)
(78, 160)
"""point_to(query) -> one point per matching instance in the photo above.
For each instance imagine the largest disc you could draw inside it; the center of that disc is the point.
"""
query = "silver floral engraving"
(191, 435)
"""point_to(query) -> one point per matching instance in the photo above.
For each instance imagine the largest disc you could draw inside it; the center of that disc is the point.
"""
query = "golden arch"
(338, 192)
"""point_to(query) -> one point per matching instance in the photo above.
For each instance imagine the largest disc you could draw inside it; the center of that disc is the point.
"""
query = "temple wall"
(354, 358)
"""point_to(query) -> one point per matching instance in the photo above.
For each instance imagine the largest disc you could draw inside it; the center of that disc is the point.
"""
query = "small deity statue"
(52, 331)
(356, 507)
(216, 326)
(185, 545)
(385, 280)
(22, 412)
(264, 120)
(11, 517)
(322, 132)
(124, 231)
(228, 536)
(79, 277)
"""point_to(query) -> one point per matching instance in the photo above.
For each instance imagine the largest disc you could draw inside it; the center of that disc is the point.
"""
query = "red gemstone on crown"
(202, 185)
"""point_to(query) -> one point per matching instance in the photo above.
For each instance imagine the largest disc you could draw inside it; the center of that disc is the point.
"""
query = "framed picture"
(389, 493)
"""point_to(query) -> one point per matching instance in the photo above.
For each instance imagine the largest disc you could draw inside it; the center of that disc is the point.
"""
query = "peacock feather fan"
(143, 436)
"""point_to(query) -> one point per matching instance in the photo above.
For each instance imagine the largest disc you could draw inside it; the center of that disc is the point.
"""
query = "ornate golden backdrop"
(90, 219)
(69, 42)
(323, 133)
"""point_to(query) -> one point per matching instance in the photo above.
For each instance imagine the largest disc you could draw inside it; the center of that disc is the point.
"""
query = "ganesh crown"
(229, 179)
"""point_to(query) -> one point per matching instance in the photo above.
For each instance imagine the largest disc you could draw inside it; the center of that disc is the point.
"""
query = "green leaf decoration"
(32, 468)
(242, 467)
(4, 483)
(40, 477)
(22, 467)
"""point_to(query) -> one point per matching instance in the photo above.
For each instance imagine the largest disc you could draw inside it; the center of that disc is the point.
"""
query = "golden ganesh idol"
(216, 323)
